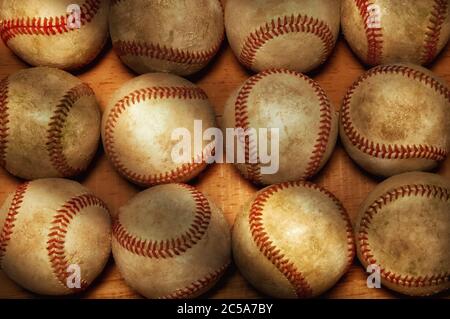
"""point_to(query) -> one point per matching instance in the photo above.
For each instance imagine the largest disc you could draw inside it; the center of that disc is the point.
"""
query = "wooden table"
(221, 181)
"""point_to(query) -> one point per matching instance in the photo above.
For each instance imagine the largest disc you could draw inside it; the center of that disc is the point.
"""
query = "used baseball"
(170, 241)
(49, 124)
(386, 31)
(138, 125)
(395, 118)
(403, 232)
(176, 36)
(65, 34)
(55, 237)
(299, 108)
(294, 240)
(294, 34)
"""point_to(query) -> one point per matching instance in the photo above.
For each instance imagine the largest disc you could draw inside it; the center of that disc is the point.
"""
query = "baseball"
(45, 113)
(49, 33)
(386, 31)
(170, 241)
(299, 108)
(403, 229)
(55, 236)
(176, 36)
(138, 125)
(293, 34)
(294, 240)
(395, 118)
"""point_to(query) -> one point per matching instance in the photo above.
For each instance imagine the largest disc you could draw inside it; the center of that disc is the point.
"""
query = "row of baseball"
(394, 119)
(182, 37)
(171, 241)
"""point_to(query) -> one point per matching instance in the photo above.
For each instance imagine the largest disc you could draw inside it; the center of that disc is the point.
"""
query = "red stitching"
(56, 127)
(141, 95)
(285, 25)
(392, 151)
(437, 19)
(242, 121)
(58, 231)
(429, 191)
(162, 52)
(11, 28)
(323, 137)
(11, 217)
(4, 120)
(174, 246)
(273, 253)
(197, 285)
(374, 35)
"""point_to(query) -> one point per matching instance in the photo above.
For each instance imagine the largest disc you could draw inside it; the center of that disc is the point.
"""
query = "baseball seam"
(47, 26)
(56, 127)
(432, 35)
(374, 35)
(275, 254)
(4, 120)
(281, 26)
(197, 285)
(242, 121)
(162, 52)
(141, 95)
(392, 151)
(9, 223)
(172, 247)
(430, 191)
(324, 134)
(58, 231)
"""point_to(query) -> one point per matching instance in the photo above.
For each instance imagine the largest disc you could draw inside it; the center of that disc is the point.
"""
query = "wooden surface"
(221, 181)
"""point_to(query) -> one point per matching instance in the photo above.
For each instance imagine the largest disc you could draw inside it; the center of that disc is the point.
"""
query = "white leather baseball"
(176, 36)
(299, 108)
(395, 118)
(50, 227)
(403, 231)
(49, 124)
(39, 32)
(170, 241)
(138, 125)
(293, 34)
(386, 31)
(293, 240)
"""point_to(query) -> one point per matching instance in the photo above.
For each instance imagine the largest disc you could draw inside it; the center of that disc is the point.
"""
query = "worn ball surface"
(52, 231)
(176, 36)
(395, 118)
(385, 31)
(170, 241)
(293, 34)
(295, 105)
(293, 240)
(139, 122)
(49, 124)
(39, 32)
(403, 231)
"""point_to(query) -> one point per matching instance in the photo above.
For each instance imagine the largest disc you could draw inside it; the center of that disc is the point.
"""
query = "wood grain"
(221, 181)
